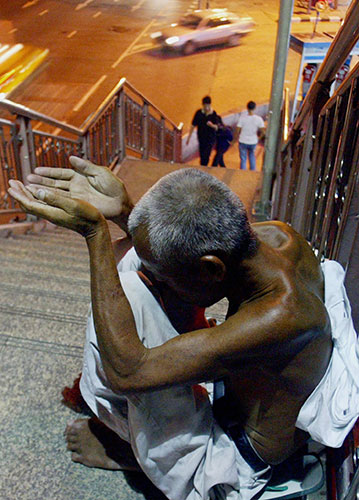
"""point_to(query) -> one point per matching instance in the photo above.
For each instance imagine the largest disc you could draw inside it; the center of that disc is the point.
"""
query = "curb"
(308, 18)
(21, 228)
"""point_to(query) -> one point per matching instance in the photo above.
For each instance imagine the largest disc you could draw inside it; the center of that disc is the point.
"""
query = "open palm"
(92, 183)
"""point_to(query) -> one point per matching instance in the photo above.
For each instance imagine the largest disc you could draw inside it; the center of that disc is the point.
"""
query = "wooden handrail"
(339, 50)
(21, 110)
(91, 120)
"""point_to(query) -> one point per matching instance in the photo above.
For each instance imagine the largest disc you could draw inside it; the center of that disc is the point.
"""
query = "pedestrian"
(206, 120)
(224, 137)
(250, 128)
(274, 356)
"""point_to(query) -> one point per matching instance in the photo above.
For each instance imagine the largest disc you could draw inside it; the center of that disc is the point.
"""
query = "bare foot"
(95, 445)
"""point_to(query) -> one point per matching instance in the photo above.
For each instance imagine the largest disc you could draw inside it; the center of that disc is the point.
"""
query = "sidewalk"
(301, 13)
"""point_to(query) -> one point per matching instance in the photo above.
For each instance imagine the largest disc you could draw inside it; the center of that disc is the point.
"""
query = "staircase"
(44, 298)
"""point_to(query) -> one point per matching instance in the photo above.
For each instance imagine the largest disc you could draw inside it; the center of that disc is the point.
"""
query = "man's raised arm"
(196, 356)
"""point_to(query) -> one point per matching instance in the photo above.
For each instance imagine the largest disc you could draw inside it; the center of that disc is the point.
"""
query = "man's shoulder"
(197, 115)
(276, 233)
(293, 257)
(259, 121)
(242, 117)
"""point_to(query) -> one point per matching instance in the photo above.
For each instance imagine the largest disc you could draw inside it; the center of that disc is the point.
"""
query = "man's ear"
(212, 268)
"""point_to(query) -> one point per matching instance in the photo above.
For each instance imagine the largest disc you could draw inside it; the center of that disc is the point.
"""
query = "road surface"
(93, 43)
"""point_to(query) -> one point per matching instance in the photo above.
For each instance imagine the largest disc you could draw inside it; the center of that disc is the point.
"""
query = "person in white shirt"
(250, 128)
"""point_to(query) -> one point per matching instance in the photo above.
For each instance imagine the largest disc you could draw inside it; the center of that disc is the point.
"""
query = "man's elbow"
(123, 381)
(120, 384)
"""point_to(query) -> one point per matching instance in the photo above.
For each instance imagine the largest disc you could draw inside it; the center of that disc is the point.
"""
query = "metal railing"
(9, 159)
(316, 182)
(316, 190)
(126, 123)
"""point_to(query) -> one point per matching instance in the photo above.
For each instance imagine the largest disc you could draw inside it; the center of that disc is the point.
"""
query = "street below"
(94, 43)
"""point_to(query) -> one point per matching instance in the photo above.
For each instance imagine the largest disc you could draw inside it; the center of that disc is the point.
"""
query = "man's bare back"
(265, 393)
(268, 391)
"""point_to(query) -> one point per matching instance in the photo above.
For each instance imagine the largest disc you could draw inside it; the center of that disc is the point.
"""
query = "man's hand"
(212, 125)
(63, 211)
(88, 182)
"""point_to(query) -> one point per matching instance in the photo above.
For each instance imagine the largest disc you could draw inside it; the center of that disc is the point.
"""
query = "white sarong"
(173, 434)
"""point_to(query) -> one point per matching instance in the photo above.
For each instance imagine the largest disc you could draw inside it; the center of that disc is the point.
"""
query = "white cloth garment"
(174, 437)
(333, 407)
(249, 124)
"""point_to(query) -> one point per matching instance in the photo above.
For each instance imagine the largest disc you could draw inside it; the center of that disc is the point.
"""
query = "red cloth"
(184, 317)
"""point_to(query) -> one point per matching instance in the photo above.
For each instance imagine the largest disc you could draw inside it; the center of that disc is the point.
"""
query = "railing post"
(27, 147)
(145, 134)
(84, 146)
(162, 139)
(177, 146)
(352, 274)
(121, 124)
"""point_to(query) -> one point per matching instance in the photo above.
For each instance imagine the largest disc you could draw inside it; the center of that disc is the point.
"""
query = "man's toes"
(76, 457)
(69, 427)
(72, 446)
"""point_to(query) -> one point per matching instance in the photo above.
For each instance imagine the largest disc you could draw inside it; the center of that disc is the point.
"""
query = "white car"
(202, 28)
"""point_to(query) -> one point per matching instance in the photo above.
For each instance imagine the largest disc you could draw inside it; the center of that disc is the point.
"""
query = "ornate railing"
(126, 123)
(316, 183)
(316, 190)
(9, 160)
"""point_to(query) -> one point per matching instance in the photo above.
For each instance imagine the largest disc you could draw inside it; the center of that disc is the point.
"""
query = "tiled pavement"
(44, 297)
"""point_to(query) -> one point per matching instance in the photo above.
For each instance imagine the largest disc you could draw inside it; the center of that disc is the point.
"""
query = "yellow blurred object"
(18, 62)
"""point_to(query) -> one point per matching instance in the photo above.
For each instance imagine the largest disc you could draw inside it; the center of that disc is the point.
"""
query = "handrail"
(122, 83)
(3, 121)
(19, 109)
(53, 136)
(94, 116)
(317, 177)
(16, 108)
(124, 123)
(128, 84)
(339, 50)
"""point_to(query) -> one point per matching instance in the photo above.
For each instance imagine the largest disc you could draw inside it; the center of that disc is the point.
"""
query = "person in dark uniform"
(223, 141)
(206, 120)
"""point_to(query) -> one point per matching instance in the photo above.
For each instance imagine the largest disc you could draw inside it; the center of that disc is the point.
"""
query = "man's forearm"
(120, 348)
(236, 135)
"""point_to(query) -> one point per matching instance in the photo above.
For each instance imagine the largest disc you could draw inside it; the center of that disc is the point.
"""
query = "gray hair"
(189, 213)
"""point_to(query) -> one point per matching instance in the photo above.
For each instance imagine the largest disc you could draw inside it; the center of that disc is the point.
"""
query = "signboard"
(312, 49)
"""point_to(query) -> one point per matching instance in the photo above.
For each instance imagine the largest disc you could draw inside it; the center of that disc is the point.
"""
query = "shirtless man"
(275, 344)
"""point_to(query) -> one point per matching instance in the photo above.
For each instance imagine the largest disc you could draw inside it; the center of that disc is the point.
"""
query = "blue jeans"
(244, 150)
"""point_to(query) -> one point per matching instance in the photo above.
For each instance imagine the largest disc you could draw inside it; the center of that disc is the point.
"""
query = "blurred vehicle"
(17, 63)
(203, 28)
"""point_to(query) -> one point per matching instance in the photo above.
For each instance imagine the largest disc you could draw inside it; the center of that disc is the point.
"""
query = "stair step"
(47, 281)
(37, 324)
(10, 288)
(60, 250)
(41, 301)
(38, 263)
(48, 347)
